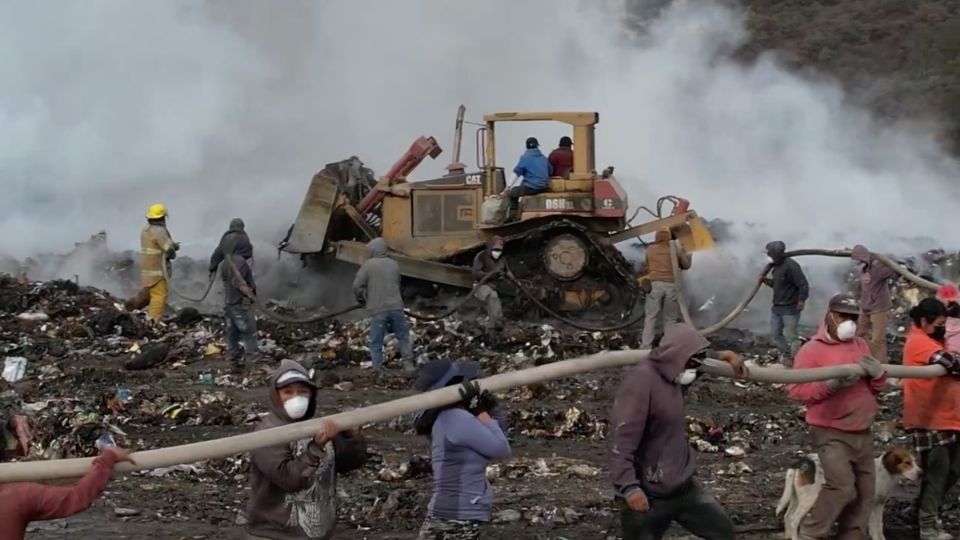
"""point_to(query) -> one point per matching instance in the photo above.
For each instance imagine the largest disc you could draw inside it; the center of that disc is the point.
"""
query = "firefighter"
(156, 246)
(487, 262)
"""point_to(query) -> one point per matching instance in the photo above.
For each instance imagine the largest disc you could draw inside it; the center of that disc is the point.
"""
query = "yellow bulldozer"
(559, 243)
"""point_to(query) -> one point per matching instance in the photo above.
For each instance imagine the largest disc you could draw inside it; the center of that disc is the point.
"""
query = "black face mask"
(939, 333)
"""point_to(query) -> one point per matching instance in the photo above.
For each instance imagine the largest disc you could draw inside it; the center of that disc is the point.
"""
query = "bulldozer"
(560, 244)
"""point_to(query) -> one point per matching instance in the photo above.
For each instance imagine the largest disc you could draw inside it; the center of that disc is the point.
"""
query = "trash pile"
(81, 367)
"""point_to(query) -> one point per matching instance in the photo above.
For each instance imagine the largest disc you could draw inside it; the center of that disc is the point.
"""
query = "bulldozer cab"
(583, 193)
(581, 176)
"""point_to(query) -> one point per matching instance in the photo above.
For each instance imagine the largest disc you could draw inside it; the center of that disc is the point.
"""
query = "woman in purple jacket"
(463, 438)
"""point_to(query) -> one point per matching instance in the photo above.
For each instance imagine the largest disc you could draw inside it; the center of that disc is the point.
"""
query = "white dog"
(803, 484)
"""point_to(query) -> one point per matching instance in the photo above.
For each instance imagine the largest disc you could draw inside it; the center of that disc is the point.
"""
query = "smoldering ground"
(224, 108)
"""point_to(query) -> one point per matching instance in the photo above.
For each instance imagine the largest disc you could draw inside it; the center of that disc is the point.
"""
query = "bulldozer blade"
(436, 272)
(310, 230)
(694, 235)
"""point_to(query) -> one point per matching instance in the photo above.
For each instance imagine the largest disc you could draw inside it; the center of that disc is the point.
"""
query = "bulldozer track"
(610, 260)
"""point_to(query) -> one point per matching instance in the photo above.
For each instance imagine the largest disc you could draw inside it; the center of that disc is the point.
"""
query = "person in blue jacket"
(535, 169)
(464, 438)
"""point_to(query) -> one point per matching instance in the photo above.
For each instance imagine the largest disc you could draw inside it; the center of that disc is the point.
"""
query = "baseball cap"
(293, 376)
(845, 303)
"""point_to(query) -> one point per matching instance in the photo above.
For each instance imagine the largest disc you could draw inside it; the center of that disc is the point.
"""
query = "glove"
(836, 384)
(872, 366)
(475, 400)
(950, 362)
(470, 394)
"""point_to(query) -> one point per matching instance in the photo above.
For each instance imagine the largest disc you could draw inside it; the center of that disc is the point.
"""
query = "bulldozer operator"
(535, 169)
(490, 262)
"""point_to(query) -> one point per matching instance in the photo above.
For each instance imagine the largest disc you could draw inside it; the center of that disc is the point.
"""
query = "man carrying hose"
(239, 290)
(661, 301)
(377, 287)
(790, 292)
(651, 462)
(491, 265)
(875, 301)
(839, 415)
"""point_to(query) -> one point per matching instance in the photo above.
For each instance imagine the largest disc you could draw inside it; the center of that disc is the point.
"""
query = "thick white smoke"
(223, 109)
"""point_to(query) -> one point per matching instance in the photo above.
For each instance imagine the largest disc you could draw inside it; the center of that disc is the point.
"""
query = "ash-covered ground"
(79, 345)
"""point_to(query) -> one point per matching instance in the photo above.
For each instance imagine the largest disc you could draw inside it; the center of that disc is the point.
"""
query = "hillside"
(901, 58)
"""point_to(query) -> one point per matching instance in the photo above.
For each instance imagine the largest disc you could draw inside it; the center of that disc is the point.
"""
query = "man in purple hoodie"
(651, 462)
(875, 301)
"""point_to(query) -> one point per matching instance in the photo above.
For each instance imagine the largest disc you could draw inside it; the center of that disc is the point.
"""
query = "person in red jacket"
(21, 503)
(561, 159)
(839, 415)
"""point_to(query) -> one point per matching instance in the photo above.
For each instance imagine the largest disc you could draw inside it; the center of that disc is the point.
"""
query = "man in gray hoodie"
(875, 300)
(233, 256)
(651, 462)
(377, 287)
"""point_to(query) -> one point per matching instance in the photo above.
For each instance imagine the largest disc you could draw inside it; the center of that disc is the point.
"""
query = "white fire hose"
(730, 317)
(237, 444)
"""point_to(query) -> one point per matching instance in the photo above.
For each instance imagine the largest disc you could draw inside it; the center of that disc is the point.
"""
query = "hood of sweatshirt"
(663, 235)
(495, 242)
(378, 247)
(777, 250)
(860, 254)
(274, 403)
(679, 343)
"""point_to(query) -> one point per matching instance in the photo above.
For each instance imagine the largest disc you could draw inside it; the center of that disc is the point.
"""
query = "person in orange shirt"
(931, 413)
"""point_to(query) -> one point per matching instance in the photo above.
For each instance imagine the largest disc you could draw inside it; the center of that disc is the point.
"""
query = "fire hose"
(166, 276)
(247, 442)
(730, 317)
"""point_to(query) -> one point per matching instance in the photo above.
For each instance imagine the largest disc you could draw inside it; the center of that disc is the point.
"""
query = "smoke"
(226, 108)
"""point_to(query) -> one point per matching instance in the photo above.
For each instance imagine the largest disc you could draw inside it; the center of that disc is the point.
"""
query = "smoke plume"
(226, 108)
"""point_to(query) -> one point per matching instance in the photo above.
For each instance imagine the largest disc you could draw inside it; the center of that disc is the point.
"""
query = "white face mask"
(496, 253)
(768, 260)
(846, 330)
(296, 407)
(686, 377)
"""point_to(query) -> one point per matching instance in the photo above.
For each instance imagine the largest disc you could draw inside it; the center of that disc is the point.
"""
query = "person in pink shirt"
(23, 502)
(950, 296)
(839, 415)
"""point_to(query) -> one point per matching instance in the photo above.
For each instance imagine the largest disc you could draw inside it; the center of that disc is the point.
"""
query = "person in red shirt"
(561, 159)
(931, 413)
(21, 503)
(839, 415)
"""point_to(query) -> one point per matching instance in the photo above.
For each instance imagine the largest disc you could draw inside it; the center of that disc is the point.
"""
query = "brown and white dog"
(804, 481)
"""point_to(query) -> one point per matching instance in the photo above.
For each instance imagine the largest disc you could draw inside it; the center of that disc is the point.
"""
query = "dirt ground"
(554, 479)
